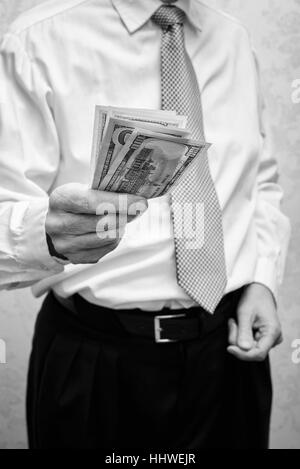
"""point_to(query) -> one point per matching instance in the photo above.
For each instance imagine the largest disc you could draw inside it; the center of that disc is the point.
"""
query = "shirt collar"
(136, 13)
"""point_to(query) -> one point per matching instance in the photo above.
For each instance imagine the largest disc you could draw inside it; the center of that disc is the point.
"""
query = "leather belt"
(162, 329)
(167, 327)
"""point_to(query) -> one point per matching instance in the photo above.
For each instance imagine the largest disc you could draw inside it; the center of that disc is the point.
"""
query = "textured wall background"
(275, 28)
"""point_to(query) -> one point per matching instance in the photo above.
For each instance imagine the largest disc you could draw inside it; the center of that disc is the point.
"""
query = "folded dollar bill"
(141, 152)
(146, 116)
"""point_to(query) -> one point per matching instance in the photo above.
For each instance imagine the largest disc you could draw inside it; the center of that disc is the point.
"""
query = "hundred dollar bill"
(116, 136)
(103, 113)
(185, 164)
(163, 118)
(162, 122)
(148, 162)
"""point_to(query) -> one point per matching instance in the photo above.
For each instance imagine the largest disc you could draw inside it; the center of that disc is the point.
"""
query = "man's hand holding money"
(84, 225)
(137, 154)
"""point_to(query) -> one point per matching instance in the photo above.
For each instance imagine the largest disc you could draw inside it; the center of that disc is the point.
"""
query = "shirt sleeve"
(273, 227)
(29, 159)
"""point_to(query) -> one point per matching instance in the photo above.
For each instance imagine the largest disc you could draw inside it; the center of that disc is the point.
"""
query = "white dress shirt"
(61, 59)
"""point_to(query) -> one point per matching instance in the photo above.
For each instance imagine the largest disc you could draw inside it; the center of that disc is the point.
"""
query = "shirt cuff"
(266, 273)
(31, 243)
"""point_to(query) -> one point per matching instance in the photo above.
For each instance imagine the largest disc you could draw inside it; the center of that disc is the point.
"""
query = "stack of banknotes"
(141, 152)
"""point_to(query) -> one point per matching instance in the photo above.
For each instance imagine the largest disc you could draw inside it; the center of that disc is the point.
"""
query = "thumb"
(245, 339)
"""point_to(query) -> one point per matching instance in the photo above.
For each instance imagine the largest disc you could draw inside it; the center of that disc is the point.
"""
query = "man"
(131, 347)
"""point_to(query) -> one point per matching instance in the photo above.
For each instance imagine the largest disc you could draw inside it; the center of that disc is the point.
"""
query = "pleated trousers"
(91, 385)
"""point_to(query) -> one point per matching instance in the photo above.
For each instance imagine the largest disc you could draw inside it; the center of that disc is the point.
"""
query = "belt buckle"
(158, 329)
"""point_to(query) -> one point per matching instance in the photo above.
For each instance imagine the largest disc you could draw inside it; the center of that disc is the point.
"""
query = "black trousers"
(89, 389)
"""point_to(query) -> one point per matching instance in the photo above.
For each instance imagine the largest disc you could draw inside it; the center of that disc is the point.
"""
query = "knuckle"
(276, 331)
(68, 223)
(60, 245)
(55, 199)
(58, 223)
(65, 225)
(84, 202)
(51, 224)
(65, 196)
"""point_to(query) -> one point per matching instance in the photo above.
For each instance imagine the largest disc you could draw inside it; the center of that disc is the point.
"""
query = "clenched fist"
(258, 328)
(84, 225)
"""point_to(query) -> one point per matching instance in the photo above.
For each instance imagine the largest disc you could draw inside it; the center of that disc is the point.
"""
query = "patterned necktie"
(197, 217)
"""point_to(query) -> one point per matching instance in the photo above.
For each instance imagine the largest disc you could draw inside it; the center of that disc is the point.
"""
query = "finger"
(112, 223)
(266, 340)
(81, 224)
(245, 337)
(79, 244)
(253, 355)
(233, 332)
(111, 235)
(125, 208)
(73, 224)
(77, 198)
(92, 256)
(269, 340)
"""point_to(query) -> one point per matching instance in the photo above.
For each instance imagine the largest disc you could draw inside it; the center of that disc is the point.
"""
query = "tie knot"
(167, 16)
